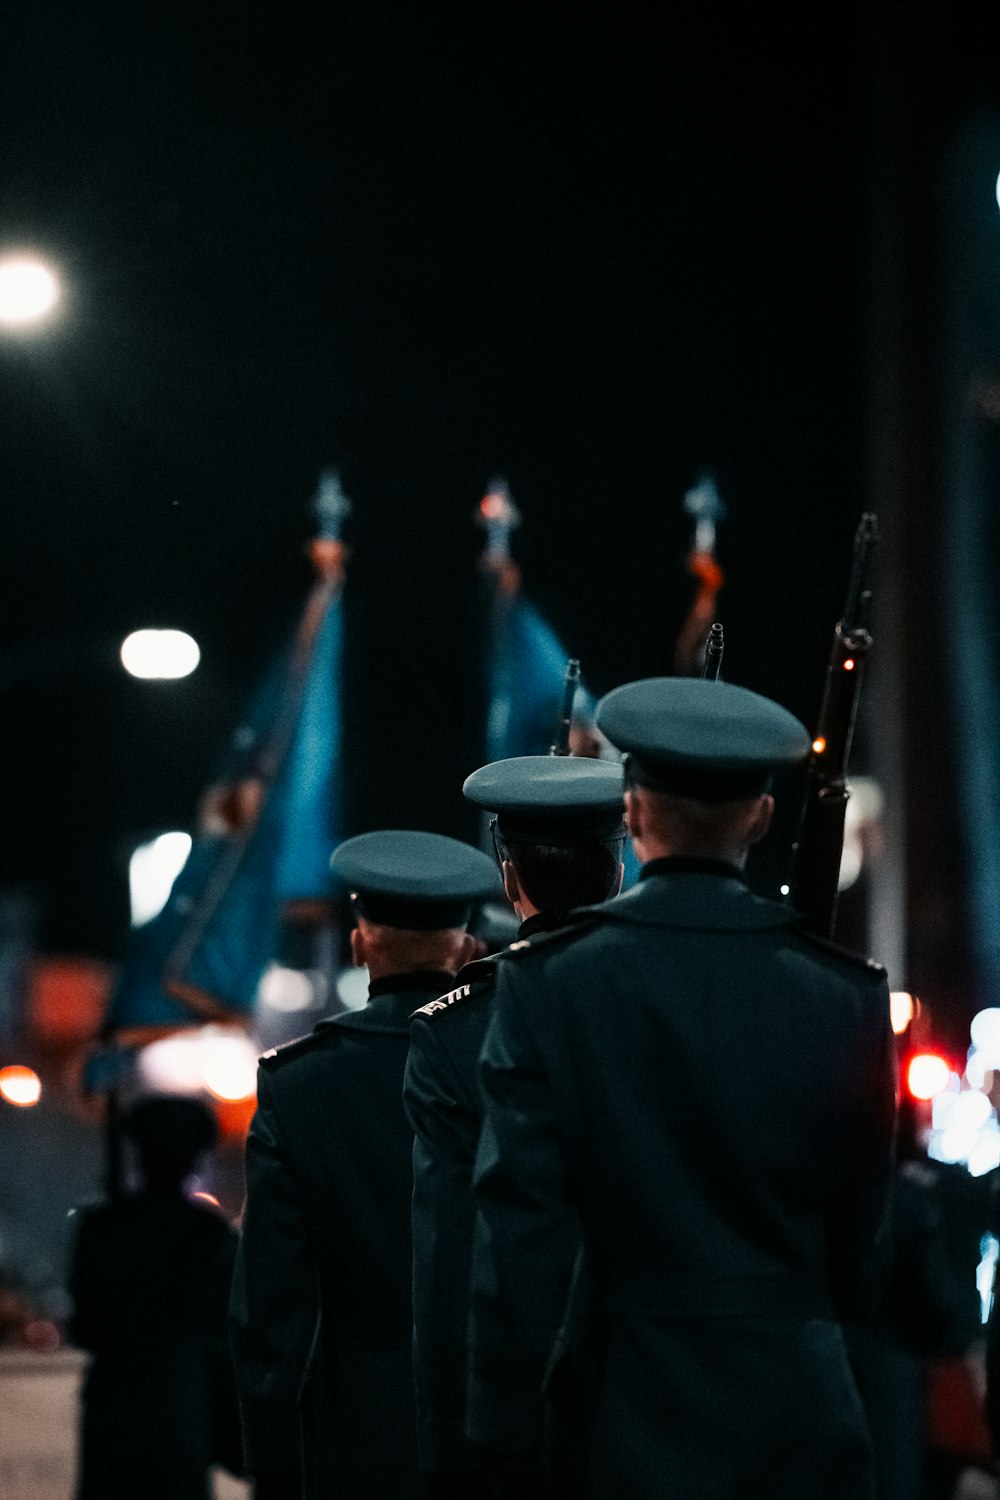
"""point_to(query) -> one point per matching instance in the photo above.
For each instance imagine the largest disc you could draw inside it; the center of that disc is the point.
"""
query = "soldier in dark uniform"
(150, 1280)
(321, 1309)
(559, 830)
(708, 1093)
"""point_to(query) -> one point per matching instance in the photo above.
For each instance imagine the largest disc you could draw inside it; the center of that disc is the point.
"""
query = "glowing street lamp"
(29, 290)
(164, 654)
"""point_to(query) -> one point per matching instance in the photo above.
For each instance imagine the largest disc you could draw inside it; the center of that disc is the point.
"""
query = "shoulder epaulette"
(473, 979)
(849, 955)
(543, 941)
(444, 1002)
(275, 1056)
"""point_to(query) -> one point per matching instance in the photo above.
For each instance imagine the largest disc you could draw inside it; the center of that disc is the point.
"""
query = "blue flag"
(528, 676)
(282, 851)
(268, 825)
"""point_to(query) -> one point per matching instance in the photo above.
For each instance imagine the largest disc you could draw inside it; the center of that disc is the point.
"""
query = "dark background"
(594, 252)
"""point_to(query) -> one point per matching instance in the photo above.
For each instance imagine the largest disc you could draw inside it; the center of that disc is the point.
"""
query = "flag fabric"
(528, 675)
(266, 827)
(281, 848)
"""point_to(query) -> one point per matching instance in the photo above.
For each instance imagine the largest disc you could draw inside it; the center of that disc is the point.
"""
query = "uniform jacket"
(321, 1310)
(149, 1279)
(441, 1095)
(709, 1094)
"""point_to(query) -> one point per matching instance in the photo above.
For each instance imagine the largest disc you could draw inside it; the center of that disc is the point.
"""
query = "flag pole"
(704, 504)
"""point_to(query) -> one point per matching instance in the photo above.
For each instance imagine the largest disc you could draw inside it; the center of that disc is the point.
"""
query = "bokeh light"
(20, 1086)
(229, 1067)
(901, 1010)
(152, 871)
(927, 1075)
(29, 290)
(160, 654)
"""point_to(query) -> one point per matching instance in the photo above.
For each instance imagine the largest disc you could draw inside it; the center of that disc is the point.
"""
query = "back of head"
(559, 877)
(700, 757)
(559, 821)
(169, 1135)
(413, 895)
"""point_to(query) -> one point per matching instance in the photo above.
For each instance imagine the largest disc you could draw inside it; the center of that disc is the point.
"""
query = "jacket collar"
(391, 1002)
(713, 897)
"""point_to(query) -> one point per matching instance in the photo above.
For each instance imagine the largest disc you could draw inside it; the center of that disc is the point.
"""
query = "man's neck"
(729, 854)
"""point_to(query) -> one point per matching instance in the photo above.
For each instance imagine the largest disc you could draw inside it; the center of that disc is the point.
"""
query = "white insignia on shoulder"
(271, 1052)
(521, 943)
(433, 1006)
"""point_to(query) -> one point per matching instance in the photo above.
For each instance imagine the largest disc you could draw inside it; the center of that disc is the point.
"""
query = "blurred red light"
(927, 1075)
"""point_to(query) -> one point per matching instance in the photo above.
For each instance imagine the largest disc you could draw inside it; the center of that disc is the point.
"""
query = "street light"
(29, 290)
(160, 653)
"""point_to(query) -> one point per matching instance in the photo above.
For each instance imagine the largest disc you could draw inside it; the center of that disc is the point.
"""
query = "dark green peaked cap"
(712, 741)
(551, 799)
(420, 881)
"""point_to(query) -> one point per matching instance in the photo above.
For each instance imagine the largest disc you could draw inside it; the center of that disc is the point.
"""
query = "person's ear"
(358, 955)
(761, 821)
(635, 817)
(510, 884)
(470, 948)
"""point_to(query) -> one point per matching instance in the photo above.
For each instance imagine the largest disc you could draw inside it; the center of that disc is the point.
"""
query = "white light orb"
(972, 1108)
(956, 1144)
(29, 290)
(152, 871)
(985, 1030)
(286, 990)
(976, 1069)
(228, 1066)
(985, 1155)
(172, 1066)
(352, 987)
(901, 1010)
(162, 654)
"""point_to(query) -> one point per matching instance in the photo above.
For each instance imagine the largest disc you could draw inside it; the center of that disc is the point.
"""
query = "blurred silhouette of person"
(150, 1280)
(929, 1313)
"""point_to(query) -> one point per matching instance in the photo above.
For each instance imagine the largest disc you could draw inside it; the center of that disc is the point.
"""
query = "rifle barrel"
(570, 684)
(714, 647)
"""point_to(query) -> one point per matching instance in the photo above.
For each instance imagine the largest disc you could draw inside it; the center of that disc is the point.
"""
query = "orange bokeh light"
(20, 1086)
(819, 745)
(849, 664)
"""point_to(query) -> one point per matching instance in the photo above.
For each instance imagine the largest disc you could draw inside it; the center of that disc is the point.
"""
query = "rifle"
(819, 848)
(570, 684)
(714, 647)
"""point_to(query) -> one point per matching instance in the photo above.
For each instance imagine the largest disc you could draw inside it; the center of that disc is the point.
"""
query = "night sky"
(423, 245)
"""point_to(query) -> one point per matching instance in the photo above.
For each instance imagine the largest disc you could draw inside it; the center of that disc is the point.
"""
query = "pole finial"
(705, 504)
(498, 516)
(331, 508)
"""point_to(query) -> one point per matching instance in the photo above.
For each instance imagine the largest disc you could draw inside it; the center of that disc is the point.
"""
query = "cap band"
(525, 828)
(696, 784)
(410, 914)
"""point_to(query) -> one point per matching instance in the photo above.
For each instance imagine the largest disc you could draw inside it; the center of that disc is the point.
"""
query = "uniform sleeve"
(446, 1128)
(859, 1235)
(525, 1235)
(274, 1305)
